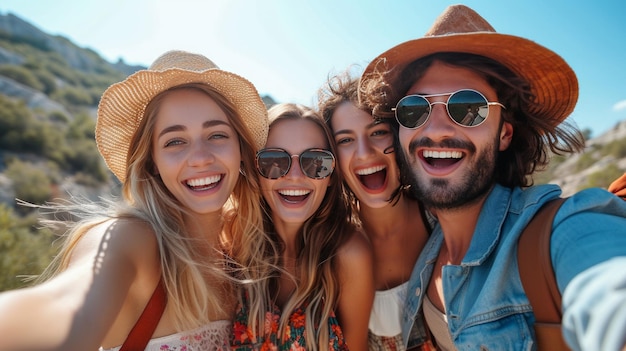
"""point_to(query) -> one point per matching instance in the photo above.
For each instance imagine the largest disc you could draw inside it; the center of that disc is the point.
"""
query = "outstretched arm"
(588, 247)
(75, 309)
(595, 307)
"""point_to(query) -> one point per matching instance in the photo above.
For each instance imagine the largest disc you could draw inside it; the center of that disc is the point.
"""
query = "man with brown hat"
(476, 179)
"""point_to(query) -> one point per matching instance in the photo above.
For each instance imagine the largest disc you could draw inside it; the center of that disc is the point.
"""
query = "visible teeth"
(442, 154)
(294, 192)
(370, 170)
(204, 181)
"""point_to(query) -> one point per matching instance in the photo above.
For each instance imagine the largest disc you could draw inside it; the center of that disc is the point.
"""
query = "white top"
(386, 316)
(437, 322)
(211, 337)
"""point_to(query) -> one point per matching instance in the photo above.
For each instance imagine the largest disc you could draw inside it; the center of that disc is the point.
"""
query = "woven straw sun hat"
(461, 29)
(122, 106)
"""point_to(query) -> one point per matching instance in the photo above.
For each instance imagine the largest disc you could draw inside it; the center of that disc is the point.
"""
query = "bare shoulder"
(119, 238)
(355, 269)
(356, 252)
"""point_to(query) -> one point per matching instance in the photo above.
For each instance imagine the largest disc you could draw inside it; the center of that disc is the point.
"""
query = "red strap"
(140, 335)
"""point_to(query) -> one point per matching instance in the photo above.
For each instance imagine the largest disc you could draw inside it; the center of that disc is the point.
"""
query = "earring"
(389, 150)
(241, 171)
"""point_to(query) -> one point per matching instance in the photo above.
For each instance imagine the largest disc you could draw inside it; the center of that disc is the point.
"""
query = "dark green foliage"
(39, 149)
(83, 157)
(70, 146)
(21, 132)
(30, 183)
(25, 250)
(82, 127)
(72, 96)
(21, 75)
(57, 116)
(47, 80)
(14, 117)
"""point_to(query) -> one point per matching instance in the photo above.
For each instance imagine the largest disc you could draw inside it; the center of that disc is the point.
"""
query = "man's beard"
(457, 192)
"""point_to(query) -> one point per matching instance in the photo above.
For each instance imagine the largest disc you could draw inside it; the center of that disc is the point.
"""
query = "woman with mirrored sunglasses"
(393, 220)
(323, 286)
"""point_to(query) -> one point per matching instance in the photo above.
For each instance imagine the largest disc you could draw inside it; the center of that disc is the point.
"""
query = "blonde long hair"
(317, 243)
(185, 271)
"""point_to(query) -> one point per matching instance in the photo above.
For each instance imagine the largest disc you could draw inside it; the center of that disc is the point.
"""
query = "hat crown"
(182, 60)
(458, 19)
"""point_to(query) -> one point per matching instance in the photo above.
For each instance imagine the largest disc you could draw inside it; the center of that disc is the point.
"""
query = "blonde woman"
(323, 287)
(149, 274)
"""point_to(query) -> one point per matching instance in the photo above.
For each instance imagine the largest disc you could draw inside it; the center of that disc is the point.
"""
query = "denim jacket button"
(418, 292)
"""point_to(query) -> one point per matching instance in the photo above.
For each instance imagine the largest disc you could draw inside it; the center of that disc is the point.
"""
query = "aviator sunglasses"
(276, 163)
(466, 107)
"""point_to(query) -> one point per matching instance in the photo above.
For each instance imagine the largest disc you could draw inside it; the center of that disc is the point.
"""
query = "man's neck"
(458, 227)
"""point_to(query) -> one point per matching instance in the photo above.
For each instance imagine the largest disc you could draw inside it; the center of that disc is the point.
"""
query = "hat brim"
(122, 107)
(552, 80)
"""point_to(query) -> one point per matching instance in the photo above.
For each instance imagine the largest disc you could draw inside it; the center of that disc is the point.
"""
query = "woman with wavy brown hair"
(395, 223)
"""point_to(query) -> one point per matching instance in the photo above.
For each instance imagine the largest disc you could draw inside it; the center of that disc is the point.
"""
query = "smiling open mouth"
(294, 195)
(373, 178)
(442, 159)
(206, 183)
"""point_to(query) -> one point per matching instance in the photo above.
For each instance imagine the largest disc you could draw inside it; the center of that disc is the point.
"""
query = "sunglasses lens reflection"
(273, 164)
(316, 164)
(466, 107)
(412, 111)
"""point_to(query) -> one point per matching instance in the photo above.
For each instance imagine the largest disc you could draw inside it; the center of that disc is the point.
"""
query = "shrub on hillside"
(82, 127)
(14, 118)
(25, 250)
(84, 157)
(22, 76)
(47, 80)
(30, 183)
(72, 96)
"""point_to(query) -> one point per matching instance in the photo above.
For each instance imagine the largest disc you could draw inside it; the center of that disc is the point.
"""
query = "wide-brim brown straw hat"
(461, 29)
(122, 105)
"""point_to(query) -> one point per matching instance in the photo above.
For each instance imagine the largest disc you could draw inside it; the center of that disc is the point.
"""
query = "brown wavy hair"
(343, 88)
(535, 136)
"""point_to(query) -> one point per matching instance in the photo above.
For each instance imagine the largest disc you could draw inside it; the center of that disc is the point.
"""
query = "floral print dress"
(211, 337)
(293, 336)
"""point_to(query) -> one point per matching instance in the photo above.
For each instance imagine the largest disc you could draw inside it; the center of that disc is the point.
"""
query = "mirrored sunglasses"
(466, 107)
(276, 163)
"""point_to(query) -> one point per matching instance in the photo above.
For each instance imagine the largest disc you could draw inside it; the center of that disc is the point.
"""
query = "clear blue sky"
(288, 48)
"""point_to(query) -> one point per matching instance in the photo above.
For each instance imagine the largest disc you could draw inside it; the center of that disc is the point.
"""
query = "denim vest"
(486, 306)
